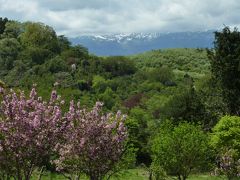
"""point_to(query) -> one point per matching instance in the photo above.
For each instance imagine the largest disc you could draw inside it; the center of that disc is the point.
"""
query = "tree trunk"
(93, 177)
(40, 173)
(150, 175)
(179, 177)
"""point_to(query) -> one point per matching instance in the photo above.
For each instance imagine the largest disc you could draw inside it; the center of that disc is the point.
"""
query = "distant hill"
(127, 44)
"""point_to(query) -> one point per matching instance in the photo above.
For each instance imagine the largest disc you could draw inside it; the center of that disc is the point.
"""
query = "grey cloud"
(62, 5)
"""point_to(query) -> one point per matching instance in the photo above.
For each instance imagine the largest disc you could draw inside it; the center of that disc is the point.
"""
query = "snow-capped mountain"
(132, 43)
(120, 38)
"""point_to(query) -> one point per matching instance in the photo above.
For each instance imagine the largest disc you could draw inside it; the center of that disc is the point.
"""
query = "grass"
(132, 174)
(205, 177)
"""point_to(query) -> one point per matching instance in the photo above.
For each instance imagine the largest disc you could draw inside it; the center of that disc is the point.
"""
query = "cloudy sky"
(77, 17)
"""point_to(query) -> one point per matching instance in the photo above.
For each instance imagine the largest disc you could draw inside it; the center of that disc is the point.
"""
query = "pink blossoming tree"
(96, 142)
(29, 130)
(32, 131)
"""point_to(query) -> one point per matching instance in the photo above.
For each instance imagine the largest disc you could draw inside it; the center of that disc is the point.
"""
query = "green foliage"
(57, 64)
(226, 133)
(10, 48)
(12, 29)
(3, 22)
(2, 84)
(108, 98)
(188, 60)
(75, 52)
(63, 42)
(210, 95)
(226, 141)
(99, 83)
(39, 35)
(119, 66)
(185, 105)
(35, 55)
(151, 87)
(178, 150)
(161, 74)
(139, 134)
(225, 66)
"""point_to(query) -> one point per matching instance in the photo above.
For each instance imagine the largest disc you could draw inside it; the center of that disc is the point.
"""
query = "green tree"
(64, 43)
(57, 64)
(226, 141)
(210, 95)
(12, 29)
(185, 105)
(109, 98)
(3, 22)
(178, 150)
(162, 74)
(10, 49)
(99, 84)
(119, 66)
(35, 55)
(75, 52)
(40, 36)
(225, 66)
(2, 84)
(226, 133)
(139, 134)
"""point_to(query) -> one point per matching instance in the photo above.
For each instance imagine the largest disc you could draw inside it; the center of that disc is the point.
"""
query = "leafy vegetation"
(178, 150)
(191, 88)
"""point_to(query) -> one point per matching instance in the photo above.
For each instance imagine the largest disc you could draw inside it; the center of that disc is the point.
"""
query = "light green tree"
(178, 150)
(226, 141)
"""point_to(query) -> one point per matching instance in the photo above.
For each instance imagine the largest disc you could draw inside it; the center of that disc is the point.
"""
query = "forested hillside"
(166, 94)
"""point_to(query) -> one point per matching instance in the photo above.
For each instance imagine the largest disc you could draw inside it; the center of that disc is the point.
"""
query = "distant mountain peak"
(131, 43)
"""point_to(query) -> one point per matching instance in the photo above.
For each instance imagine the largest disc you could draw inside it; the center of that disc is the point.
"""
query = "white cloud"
(75, 17)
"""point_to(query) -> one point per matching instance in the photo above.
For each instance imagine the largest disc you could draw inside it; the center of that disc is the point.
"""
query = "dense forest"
(182, 105)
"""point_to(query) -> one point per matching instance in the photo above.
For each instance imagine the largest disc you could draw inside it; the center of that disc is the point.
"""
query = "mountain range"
(133, 43)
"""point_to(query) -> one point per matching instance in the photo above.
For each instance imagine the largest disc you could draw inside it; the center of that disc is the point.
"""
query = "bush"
(119, 66)
(226, 141)
(178, 150)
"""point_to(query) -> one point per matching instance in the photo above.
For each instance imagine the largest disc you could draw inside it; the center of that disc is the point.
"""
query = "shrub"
(178, 150)
(226, 141)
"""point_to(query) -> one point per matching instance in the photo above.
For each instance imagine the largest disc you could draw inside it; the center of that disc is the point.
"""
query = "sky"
(78, 17)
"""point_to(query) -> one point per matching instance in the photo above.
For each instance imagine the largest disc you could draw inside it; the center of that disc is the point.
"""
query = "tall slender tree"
(3, 21)
(225, 66)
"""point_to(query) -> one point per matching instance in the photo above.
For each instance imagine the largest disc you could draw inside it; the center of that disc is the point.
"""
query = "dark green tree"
(12, 29)
(119, 66)
(9, 50)
(185, 105)
(225, 66)
(3, 21)
(64, 43)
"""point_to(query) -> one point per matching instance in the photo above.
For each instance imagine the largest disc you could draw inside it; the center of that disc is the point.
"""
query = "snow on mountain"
(126, 37)
(131, 43)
